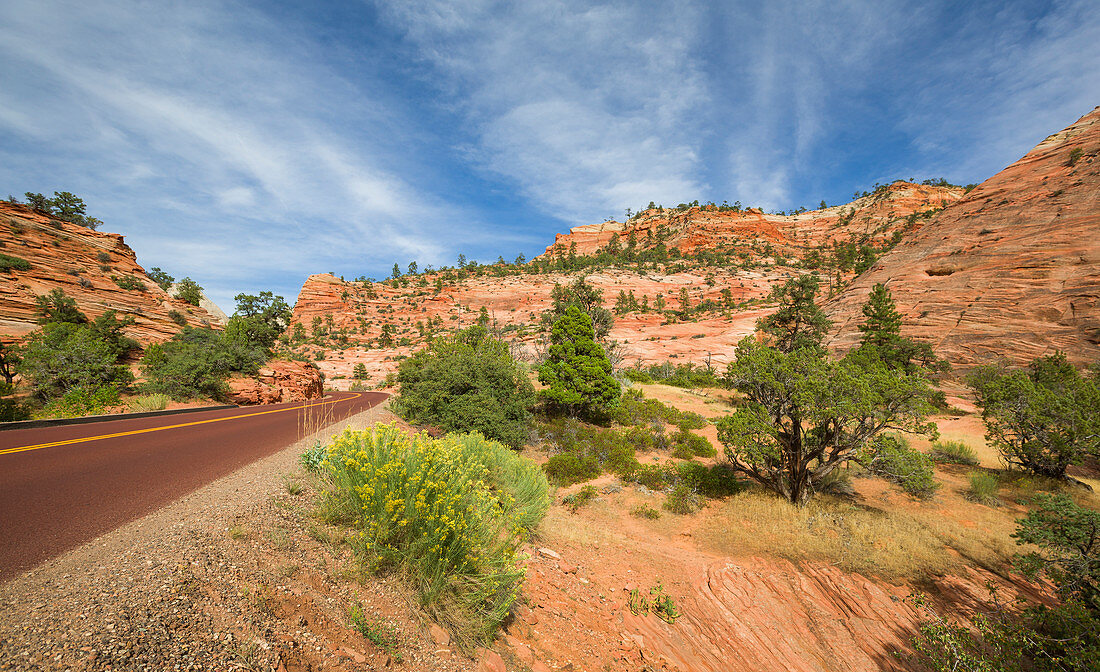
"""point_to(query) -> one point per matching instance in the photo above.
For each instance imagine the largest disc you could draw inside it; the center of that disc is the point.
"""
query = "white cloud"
(227, 118)
(588, 109)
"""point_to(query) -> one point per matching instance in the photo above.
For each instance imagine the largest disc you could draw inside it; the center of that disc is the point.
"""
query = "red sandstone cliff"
(1011, 270)
(81, 262)
(878, 215)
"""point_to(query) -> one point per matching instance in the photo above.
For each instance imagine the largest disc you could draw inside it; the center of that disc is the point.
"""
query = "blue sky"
(249, 144)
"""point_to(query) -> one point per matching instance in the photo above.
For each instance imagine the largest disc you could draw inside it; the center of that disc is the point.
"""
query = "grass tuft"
(983, 488)
(148, 403)
(954, 452)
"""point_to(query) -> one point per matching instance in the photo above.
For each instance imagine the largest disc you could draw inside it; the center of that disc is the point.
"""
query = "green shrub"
(81, 401)
(687, 445)
(148, 402)
(635, 409)
(129, 283)
(1043, 418)
(717, 480)
(954, 452)
(569, 468)
(381, 633)
(467, 382)
(196, 362)
(683, 499)
(312, 459)
(687, 375)
(645, 511)
(177, 317)
(983, 488)
(450, 513)
(577, 373)
(62, 357)
(893, 459)
(580, 498)
(9, 263)
(188, 290)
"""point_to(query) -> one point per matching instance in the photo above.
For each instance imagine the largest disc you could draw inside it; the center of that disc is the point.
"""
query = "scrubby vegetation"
(1043, 418)
(466, 382)
(1065, 637)
(450, 514)
(63, 206)
(806, 414)
(577, 373)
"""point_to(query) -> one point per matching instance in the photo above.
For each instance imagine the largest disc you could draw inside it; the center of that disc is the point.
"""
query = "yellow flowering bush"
(451, 513)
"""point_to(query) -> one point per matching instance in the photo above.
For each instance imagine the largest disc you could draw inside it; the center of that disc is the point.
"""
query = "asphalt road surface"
(63, 486)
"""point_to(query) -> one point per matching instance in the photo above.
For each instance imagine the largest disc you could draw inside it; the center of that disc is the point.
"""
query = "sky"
(250, 144)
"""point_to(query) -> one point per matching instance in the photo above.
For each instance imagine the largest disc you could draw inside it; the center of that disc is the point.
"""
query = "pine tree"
(883, 325)
(798, 323)
(577, 373)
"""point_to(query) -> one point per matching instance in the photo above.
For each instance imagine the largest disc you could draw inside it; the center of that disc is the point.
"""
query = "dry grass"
(893, 544)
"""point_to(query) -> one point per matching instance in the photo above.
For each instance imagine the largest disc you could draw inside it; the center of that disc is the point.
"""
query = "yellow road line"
(66, 442)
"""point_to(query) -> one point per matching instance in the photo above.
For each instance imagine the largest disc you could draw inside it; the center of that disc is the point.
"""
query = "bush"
(8, 263)
(64, 357)
(1042, 419)
(686, 445)
(683, 499)
(196, 362)
(467, 382)
(892, 458)
(635, 409)
(81, 401)
(954, 452)
(983, 488)
(645, 511)
(577, 372)
(148, 403)
(188, 290)
(451, 513)
(569, 468)
(129, 283)
(177, 317)
(580, 498)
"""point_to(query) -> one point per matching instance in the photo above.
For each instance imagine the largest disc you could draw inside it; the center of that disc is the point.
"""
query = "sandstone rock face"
(85, 264)
(356, 311)
(707, 227)
(1011, 270)
(773, 615)
(278, 381)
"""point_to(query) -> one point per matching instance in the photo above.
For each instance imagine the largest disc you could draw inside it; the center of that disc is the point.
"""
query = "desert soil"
(240, 576)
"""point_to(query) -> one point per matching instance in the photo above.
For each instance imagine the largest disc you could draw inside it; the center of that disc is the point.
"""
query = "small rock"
(489, 661)
(522, 651)
(549, 553)
(355, 655)
(567, 567)
(441, 636)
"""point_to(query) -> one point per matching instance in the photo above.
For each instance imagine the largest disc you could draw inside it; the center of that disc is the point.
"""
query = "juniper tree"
(577, 372)
(798, 323)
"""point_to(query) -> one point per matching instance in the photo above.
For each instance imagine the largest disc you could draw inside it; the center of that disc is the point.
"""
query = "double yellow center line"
(100, 437)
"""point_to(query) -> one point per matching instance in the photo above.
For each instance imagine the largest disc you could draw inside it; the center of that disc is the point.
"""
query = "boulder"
(278, 381)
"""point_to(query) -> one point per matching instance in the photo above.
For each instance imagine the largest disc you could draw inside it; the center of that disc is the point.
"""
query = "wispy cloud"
(248, 145)
(588, 109)
(226, 112)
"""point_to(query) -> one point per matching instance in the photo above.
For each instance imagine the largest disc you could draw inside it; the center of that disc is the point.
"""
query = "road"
(63, 486)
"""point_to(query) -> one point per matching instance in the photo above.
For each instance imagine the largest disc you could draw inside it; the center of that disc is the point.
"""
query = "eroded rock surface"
(88, 266)
(1011, 270)
(278, 381)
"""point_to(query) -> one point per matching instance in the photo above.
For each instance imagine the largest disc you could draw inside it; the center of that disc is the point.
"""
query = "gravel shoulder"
(235, 575)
